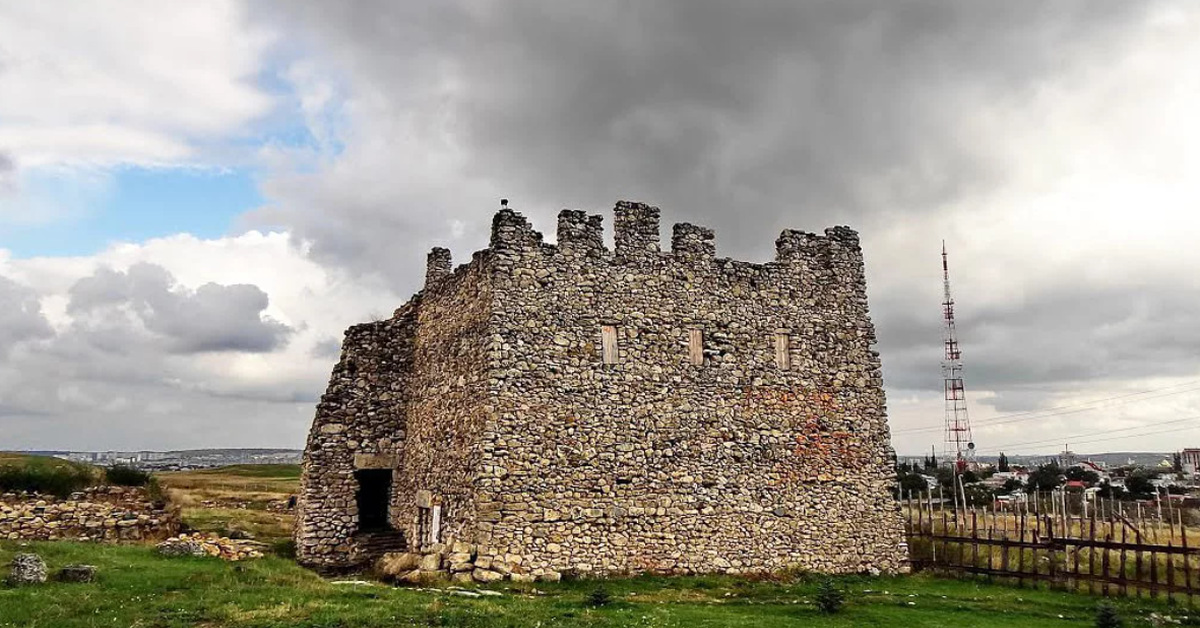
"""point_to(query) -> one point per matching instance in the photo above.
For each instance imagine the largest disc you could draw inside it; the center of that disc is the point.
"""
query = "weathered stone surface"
(76, 573)
(396, 563)
(550, 408)
(210, 545)
(102, 513)
(181, 548)
(485, 575)
(26, 569)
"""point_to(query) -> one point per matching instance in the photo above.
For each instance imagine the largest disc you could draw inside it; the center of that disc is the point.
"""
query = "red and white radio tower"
(959, 443)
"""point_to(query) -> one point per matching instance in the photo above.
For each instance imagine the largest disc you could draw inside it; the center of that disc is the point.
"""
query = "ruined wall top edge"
(636, 237)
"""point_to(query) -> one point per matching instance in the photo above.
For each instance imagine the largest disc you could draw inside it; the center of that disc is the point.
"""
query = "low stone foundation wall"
(104, 513)
(467, 562)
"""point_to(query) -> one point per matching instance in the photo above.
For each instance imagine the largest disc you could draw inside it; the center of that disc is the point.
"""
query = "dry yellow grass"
(232, 498)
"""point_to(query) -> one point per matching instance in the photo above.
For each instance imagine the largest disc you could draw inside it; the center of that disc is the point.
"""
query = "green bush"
(829, 597)
(43, 478)
(284, 549)
(1106, 616)
(125, 475)
(599, 597)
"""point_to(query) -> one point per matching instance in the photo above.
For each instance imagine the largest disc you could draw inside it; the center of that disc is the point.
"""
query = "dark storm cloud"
(1058, 340)
(211, 318)
(793, 114)
(749, 117)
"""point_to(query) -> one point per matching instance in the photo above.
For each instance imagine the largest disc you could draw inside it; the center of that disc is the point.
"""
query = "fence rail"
(1106, 546)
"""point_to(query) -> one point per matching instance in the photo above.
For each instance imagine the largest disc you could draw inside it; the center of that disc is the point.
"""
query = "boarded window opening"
(429, 524)
(608, 343)
(783, 358)
(373, 497)
(696, 347)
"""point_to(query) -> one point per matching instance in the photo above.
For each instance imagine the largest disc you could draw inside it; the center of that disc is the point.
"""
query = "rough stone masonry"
(551, 408)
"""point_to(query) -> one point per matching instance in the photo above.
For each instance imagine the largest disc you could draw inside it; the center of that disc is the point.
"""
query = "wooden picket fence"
(1102, 546)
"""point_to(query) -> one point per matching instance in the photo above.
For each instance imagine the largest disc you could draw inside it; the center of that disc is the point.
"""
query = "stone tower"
(550, 408)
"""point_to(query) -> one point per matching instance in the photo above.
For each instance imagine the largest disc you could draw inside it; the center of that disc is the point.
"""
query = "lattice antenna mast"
(960, 446)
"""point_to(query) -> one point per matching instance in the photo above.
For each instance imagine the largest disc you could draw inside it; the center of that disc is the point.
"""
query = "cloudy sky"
(196, 200)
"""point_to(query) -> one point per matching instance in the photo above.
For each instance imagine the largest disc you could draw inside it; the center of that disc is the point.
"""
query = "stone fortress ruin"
(565, 408)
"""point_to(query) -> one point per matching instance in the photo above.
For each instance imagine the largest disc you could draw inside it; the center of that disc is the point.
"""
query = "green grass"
(138, 588)
(16, 458)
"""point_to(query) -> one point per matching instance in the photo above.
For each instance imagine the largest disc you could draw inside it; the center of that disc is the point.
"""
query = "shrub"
(284, 549)
(1106, 616)
(829, 597)
(44, 478)
(599, 597)
(155, 492)
(125, 475)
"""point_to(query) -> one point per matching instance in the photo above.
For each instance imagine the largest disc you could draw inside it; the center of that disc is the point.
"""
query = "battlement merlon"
(579, 233)
(437, 265)
(692, 242)
(635, 229)
(794, 245)
(837, 255)
(512, 233)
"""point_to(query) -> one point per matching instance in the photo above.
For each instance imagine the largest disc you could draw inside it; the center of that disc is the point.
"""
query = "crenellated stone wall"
(740, 428)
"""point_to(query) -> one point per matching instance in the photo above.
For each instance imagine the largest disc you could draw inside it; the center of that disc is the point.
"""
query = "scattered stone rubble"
(210, 545)
(549, 409)
(105, 513)
(26, 569)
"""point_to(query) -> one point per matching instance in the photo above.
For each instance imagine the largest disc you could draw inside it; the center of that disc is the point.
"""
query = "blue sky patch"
(137, 204)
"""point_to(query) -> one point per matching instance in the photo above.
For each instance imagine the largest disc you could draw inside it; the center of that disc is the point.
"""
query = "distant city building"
(1191, 461)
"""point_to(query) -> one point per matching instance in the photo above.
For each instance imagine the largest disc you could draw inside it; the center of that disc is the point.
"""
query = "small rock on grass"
(77, 573)
(27, 569)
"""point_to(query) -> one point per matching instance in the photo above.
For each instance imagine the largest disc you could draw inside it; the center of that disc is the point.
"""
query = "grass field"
(19, 459)
(232, 498)
(138, 588)
(14, 459)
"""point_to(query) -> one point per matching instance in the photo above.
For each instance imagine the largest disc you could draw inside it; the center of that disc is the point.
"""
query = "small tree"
(1080, 474)
(945, 477)
(1106, 616)
(1046, 477)
(599, 597)
(829, 597)
(910, 482)
(1138, 483)
(1002, 464)
(1108, 491)
(978, 495)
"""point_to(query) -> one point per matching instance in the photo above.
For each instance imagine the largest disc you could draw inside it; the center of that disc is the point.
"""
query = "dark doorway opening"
(373, 497)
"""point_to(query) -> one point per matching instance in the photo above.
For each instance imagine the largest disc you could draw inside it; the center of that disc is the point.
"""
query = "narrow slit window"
(608, 343)
(783, 358)
(696, 347)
